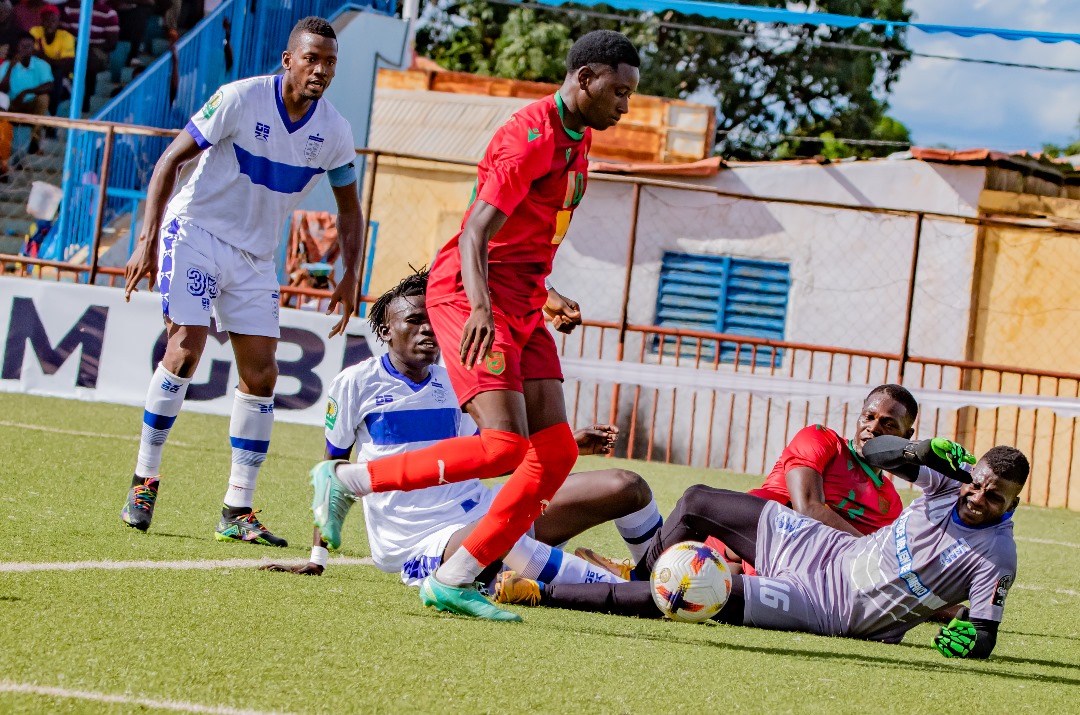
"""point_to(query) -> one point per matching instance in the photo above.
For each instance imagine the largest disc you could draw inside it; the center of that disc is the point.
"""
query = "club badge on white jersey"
(258, 164)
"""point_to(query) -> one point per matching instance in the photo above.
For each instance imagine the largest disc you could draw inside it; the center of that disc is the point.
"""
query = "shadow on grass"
(950, 668)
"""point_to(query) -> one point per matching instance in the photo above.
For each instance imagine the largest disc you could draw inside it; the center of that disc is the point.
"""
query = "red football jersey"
(865, 499)
(534, 171)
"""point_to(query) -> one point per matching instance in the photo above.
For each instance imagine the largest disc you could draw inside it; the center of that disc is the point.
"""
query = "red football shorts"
(523, 350)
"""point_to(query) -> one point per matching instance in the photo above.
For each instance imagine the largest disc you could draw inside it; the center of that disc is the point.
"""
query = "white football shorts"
(202, 276)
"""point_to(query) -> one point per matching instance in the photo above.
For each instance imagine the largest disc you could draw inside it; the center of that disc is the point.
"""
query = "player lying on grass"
(403, 401)
(953, 543)
(487, 297)
(822, 475)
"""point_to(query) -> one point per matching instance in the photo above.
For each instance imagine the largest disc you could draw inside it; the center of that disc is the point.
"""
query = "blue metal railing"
(257, 31)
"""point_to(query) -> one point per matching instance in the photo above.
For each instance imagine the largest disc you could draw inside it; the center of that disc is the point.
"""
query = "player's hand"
(596, 439)
(565, 314)
(308, 569)
(143, 262)
(478, 337)
(951, 452)
(956, 639)
(345, 296)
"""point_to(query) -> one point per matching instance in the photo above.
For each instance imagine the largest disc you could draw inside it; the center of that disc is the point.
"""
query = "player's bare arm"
(565, 314)
(484, 222)
(144, 259)
(311, 568)
(806, 487)
(350, 233)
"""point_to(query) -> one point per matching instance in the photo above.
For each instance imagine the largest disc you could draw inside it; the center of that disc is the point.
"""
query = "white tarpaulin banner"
(779, 387)
(85, 342)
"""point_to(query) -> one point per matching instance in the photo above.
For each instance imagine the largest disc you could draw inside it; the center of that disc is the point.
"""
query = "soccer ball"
(690, 582)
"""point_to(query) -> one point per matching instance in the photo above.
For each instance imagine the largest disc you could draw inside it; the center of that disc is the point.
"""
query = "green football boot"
(246, 527)
(466, 600)
(331, 503)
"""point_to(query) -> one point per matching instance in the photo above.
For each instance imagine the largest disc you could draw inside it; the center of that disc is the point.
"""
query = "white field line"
(1051, 542)
(175, 705)
(1058, 591)
(80, 433)
(26, 566)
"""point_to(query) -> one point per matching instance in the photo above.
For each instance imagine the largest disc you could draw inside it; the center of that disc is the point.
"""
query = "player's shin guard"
(249, 432)
(492, 453)
(551, 456)
(163, 402)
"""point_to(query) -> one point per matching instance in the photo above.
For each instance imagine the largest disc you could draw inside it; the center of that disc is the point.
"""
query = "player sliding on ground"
(403, 401)
(486, 297)
(953, 543)
(265, 142)
(824, 476)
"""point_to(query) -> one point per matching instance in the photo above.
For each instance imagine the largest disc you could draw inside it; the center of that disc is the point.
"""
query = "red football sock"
(490, 454)
(550, 458)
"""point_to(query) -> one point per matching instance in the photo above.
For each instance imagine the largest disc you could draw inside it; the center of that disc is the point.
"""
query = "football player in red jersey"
(822, 475)
(487, 293)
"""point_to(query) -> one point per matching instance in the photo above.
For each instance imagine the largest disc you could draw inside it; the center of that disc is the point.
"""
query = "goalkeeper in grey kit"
(952, 544)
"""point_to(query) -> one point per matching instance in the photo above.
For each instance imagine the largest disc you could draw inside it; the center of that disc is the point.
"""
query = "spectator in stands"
(57, 47)
(104, 34)
(28, 14)
(27, 80)
(9, 33)
(133, 16)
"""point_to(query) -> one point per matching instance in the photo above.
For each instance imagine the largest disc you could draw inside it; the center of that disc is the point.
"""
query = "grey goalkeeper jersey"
(881, 585)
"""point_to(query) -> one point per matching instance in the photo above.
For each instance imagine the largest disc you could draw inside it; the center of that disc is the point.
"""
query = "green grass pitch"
(356, 640)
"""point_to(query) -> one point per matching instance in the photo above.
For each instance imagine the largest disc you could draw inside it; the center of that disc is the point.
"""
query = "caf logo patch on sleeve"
(331, 413)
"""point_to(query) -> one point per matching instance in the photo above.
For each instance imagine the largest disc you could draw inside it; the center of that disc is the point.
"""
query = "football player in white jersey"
(262, 144)
(952, 544)
(403, 401)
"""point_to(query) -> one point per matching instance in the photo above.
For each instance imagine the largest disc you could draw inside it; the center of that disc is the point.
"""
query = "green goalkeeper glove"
(951, 452)
(956, 639)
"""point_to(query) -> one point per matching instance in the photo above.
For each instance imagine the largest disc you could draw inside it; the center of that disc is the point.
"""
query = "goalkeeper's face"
(881, 415)
(986, 500)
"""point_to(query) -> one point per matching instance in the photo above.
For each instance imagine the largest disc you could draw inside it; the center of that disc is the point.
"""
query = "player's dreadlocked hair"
(901, 395)
(602, 47)
(311, 25)
(411, 285)
(1008, 463)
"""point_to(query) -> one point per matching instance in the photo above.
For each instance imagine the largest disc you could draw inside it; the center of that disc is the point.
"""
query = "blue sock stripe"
(251, 445)
(646, 536)
(551, 568)
(157, 421)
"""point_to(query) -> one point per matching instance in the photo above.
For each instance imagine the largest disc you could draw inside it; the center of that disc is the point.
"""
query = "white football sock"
(547, 564)
(355, 477)
(163, 401)
(637, 529)
(461, 569)
(249, 432)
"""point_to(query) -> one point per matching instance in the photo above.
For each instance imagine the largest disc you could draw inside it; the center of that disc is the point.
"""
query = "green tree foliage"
(767, 80)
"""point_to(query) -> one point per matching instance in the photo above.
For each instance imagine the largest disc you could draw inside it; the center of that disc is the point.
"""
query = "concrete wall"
(849, 269)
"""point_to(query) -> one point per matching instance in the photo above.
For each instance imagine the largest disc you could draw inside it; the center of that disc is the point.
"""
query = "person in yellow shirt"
(57, 47)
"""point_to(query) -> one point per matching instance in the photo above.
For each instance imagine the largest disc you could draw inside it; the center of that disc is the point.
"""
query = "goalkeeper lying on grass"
(953, 543)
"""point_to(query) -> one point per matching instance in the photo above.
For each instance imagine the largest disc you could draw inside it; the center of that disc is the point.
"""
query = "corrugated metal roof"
(438, 124)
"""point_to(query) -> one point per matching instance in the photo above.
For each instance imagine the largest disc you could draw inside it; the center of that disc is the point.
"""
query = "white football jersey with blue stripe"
(257, 164)
(381, 412)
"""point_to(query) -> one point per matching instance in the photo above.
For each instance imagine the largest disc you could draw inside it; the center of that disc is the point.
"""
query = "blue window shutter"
(728, 295)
